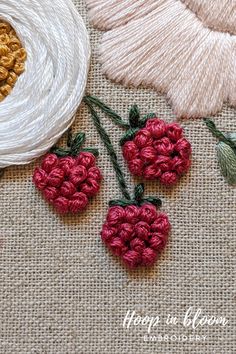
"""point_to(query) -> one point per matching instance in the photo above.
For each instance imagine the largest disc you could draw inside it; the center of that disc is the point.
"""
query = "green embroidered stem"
(74, 146)
(135, 120)
(129, 135)
(218, 134)
(107, 110)
(138, 199)
(107, 142)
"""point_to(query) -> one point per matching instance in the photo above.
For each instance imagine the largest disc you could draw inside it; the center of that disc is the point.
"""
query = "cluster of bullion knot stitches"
(68, 178)
(136, 232)
(158, 150)
(134, 229)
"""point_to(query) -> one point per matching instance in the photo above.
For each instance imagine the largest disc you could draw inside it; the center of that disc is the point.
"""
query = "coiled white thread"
(44, 101)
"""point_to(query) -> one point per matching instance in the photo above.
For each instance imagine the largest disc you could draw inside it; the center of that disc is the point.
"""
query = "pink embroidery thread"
(137, 234)
(152, 148)
(158, 151)
(68, 182)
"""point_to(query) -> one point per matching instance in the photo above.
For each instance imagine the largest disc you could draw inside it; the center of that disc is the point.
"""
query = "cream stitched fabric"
(61, 292)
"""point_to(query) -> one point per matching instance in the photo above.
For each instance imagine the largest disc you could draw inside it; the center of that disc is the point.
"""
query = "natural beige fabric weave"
(61, 292)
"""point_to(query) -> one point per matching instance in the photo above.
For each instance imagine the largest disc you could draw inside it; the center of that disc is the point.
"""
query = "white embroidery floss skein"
(44, 101)
(186, 49)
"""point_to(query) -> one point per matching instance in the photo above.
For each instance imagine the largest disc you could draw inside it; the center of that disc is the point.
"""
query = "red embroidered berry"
(40, 178)
(136, 241)
(67, 182)
(135, 230)
(157, 150)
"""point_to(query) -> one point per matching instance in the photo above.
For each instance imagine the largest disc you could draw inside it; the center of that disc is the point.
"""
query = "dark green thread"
(107, 142)
(129, 135)
(218, 134)
(69, 137)
(139, 191)
(93, 151)
(74, 146)
(135, 120)
(144, 120)
(134, 116)
(138, 199)
(107, 110)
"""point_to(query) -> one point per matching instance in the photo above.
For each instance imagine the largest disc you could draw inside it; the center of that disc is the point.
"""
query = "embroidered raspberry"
(68, 178)
(135, 230)
(155, 149)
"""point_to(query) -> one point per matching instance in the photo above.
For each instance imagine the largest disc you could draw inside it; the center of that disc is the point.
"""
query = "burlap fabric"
(61, 292)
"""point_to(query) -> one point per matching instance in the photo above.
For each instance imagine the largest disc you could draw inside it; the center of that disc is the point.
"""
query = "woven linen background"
(61, 291)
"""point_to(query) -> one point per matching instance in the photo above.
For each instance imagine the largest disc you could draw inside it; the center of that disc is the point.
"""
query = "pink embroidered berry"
(68, 178)
(50, 161)
(55, 177)
(77, 174)
(174, 132)
(155, 149)
(50, 193)
(86, 159)
(61, 204)
(156, 127)
(130, 150)
(40, 178)
(136, 167)
(115, 215)
(136, 242)
(78, 202)
(67, 163)
(135, 230)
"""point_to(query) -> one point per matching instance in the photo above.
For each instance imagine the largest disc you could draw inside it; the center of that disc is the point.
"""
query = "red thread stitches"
(68, 182)
(136, 233)
(158, 151)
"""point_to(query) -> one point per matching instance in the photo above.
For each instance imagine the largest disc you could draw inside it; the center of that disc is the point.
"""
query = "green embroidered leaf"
(226, 151)
(227, 161)
(232, 137)
(144, 120)
(129, 135)
(134, 116)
